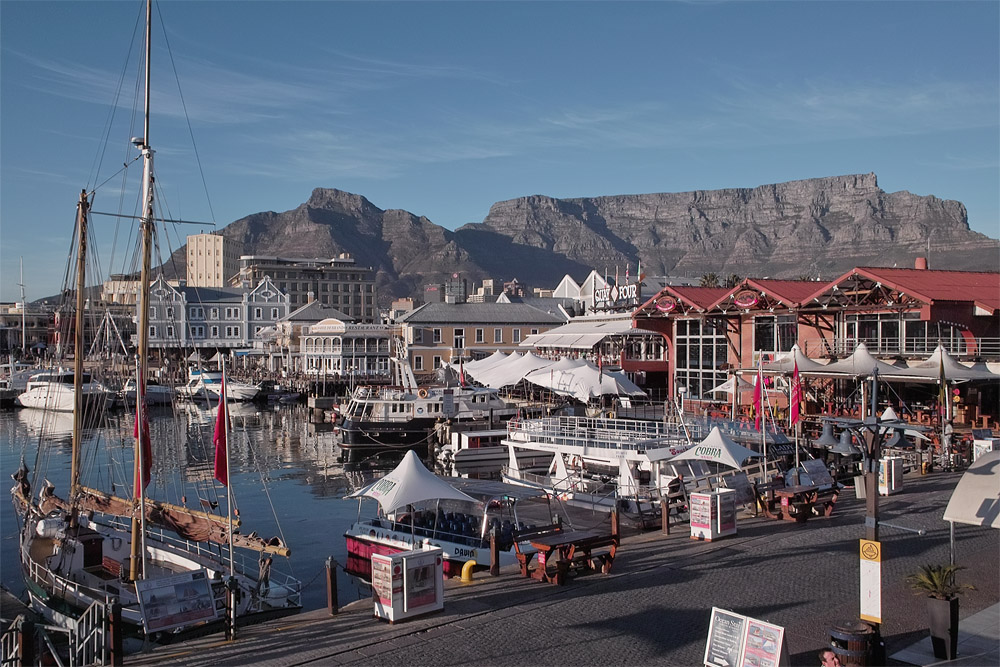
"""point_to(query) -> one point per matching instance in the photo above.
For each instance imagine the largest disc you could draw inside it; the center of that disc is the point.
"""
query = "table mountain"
(816, 227)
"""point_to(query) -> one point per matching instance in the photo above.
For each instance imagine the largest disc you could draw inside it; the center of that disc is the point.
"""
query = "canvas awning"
(727, 386)
(582, 380)
(719, 448)
(409, 483)
(976, 499)
(511, 371)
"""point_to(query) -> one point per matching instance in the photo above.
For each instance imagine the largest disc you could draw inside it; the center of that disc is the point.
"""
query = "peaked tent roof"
(512, 371)
(582, 380)
(784, 362)
(727, 386)
(409, 483)
(486, 362)
(953, 370)
(717, 447)
(859, 364)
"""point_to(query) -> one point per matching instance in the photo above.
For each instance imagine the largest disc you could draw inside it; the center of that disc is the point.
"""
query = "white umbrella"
(727, 386)
(409, 483)
(719, 448)
(976, 498)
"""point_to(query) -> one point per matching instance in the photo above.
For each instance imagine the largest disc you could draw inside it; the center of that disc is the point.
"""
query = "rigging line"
(267, 491)
(164, 220)
(187, 117)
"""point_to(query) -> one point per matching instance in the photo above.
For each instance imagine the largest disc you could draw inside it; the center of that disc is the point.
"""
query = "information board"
(725, 638)
(701, 510)
(735, 640)
(175, 601)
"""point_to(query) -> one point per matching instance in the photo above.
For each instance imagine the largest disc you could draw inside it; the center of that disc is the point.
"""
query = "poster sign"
(735, 640)
(725, 638)
(382, 579)
(871, 581)
(700, 506)
(177, 600)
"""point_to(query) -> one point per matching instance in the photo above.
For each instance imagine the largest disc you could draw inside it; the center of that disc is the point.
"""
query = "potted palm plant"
(938, 583)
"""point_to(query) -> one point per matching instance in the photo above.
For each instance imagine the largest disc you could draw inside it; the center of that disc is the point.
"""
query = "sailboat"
(163, 563)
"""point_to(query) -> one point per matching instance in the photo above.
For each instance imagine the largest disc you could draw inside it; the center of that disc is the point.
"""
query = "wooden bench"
(766, 500)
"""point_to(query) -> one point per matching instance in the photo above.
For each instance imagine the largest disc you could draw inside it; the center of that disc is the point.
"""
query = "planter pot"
(943, 615)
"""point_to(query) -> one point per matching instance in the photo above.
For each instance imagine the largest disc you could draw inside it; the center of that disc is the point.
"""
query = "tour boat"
(404, 416)
(205, 385)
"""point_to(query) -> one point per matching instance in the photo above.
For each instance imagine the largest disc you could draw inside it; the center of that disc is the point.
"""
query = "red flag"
(221, 460)
(796, 396)
(146, 456)
(461, 372)
(758, 395)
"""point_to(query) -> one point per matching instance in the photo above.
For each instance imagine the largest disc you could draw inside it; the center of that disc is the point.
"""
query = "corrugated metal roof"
(480, 313)
(981, 287)
(702, 297)
(791, 292)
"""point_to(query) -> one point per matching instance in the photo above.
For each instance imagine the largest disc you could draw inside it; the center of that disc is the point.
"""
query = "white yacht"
(207, 385)
(53, 390)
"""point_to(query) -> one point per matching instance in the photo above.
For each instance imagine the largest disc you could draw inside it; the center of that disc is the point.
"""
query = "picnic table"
(559, 550)
(797, 501)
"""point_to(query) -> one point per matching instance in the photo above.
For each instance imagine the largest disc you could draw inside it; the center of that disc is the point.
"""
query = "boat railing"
(600, 433)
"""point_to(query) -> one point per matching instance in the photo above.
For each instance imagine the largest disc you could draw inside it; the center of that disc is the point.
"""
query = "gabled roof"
(766, 292)
(315, 311)
(480, 313)
(928, 286)
(680, 299)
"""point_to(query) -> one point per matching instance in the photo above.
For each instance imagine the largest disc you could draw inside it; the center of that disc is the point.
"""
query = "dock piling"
(331, 586)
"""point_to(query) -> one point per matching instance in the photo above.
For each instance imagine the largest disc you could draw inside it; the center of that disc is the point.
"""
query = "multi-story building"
(339, 282)
(212, 260)
(182, 317)
(446, 332)
(337, 349)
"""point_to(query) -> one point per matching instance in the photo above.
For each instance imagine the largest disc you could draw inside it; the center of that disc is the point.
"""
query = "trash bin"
(854, 643)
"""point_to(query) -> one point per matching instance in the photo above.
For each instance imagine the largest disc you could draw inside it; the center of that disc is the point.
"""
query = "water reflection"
(288, 476)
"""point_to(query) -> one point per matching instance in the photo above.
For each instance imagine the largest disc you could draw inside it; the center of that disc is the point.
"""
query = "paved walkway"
(654, 607)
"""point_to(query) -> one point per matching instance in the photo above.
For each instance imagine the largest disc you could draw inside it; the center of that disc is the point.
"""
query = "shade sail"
(860, 364)
(583, 380)
(409, 483)
(784, 362)
(719, 448)
(482, 364)
(976, 499)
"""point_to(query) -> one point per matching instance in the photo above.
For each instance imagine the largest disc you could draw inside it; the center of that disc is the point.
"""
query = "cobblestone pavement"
(654, 608)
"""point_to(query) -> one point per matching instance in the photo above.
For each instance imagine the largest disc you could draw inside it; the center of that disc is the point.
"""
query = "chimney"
(920, 264)
(310, 296)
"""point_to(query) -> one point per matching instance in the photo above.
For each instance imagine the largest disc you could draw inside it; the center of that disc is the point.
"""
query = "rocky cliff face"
(817, 227)
(812, 227)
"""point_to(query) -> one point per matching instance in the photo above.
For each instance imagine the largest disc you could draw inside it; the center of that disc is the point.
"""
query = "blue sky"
(444, 108)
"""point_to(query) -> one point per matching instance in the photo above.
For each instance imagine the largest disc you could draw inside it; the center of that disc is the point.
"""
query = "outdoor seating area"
(797, 502)
(561, 552)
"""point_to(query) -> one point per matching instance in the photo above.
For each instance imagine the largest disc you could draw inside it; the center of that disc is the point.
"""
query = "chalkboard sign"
(725, 638)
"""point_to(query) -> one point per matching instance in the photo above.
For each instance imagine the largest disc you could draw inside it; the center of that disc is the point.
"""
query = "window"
(498, 335)
(170, 331)
(170, 312)
(516, 337)
(774, 334)
(437, 362)
(232, 313)
(274, 313)
(152, 332)
(480, 335)
(197, 313)
(459, 338)
(215, 313)
(418, 363)
(436, 337)
(232, 332)
(701, 354)
(198, 331)
(258, 313)
(152, 312)
(215, 332)
(534, 331)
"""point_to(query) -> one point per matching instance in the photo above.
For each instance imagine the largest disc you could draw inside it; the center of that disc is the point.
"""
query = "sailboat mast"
(81, 280)
(142, 302)
(24, 312)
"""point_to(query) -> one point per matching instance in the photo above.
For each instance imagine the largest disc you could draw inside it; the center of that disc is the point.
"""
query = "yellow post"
(467, 571)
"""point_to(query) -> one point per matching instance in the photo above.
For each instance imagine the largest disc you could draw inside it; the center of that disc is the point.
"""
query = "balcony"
(987, 348)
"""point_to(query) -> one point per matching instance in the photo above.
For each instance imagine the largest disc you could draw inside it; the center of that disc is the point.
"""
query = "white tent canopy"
(582, 380)
(953, 371)
(784, 362)
(512, 371)
(409, 483)
(976, 499)
(861, 363)
(727, 386)
(482, 364)
(719, 448)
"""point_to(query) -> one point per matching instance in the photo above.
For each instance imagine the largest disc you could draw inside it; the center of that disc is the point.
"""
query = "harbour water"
(278, 458)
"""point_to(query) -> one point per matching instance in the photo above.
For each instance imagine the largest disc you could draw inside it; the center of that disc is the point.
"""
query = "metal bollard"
(331, 586)
(495, 552)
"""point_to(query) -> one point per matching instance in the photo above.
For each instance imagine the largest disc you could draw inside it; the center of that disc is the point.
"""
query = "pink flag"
(461, 372)
(758, 394)
(796, 397)
(146, 456)
(221, 461)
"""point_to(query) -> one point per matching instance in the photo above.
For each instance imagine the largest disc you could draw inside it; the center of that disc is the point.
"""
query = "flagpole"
(140, 417)
(229, 488)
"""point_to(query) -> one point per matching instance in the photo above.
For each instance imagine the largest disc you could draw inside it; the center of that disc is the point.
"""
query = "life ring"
(422, 393)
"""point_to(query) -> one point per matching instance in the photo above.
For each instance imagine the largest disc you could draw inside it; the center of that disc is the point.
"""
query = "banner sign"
(871, 581)
(735, 640)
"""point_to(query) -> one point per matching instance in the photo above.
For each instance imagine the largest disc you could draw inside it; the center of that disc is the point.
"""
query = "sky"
(444, 108)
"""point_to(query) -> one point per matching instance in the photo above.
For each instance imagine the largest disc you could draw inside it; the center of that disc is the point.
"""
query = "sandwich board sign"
(735, 640)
